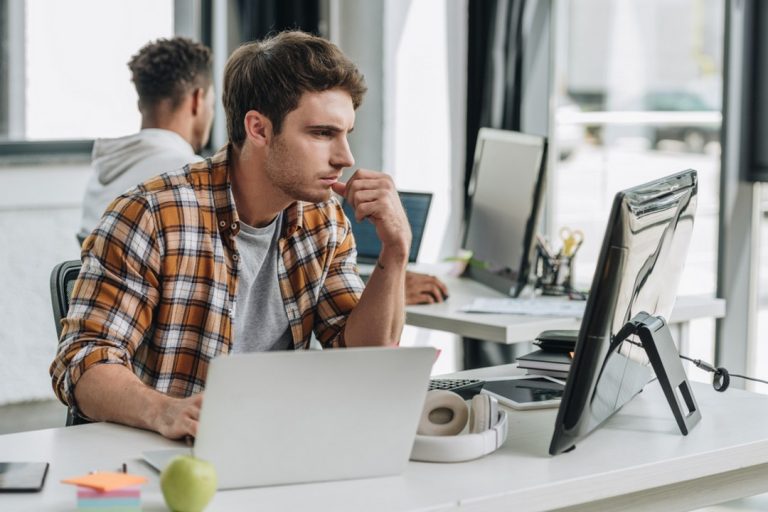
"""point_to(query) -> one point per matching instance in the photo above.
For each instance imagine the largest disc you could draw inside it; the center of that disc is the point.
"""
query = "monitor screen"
(505, 192)
(638, 270)
(416, 206)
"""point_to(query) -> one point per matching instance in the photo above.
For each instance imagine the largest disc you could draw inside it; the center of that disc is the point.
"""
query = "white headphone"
(445, 415)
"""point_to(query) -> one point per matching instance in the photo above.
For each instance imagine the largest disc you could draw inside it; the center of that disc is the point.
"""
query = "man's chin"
(314, 196)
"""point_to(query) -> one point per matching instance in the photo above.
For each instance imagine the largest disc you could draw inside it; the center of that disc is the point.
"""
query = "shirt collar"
(224, 202)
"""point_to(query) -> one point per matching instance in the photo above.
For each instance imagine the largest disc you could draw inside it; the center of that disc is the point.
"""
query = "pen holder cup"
(554, 275)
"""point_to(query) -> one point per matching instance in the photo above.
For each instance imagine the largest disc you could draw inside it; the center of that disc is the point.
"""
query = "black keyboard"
(466, 388)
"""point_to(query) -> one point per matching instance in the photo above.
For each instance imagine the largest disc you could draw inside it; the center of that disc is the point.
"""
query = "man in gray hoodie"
(173, 78)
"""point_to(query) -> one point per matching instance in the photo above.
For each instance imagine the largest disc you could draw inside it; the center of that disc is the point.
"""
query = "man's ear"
(258, 128)
(198, 97)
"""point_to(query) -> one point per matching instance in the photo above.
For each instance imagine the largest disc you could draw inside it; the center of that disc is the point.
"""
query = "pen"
(544, 246)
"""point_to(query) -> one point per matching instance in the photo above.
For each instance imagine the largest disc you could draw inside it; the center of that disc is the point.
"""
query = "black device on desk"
(557, 340)
(22, 476)
(633, 289)
(465, 388)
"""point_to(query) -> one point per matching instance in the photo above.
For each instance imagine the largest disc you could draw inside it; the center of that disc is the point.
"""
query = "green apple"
(188, 483)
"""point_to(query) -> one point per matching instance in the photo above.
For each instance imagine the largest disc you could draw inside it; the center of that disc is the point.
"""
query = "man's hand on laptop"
(179, 419)
(373, 196)
(424, 289)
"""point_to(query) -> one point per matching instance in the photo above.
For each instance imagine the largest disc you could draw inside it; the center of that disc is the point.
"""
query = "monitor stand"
(657, 341)
(505, 281)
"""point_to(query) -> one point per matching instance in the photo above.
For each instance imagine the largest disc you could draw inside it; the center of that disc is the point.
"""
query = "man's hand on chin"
(373, 196)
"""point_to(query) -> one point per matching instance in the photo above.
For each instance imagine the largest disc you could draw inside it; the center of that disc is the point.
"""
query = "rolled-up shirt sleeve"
(114, 297)
(341, 289)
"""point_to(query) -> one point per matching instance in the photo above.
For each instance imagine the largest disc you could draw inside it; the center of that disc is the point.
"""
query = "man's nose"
(342, 155)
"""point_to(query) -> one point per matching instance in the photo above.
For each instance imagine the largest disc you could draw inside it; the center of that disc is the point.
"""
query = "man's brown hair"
(170, 69)
(271, 75)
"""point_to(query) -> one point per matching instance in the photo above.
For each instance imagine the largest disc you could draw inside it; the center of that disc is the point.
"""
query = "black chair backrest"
(62, 282)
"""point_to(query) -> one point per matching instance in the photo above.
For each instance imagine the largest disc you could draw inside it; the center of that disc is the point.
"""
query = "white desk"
(638, 460)
(509, 329)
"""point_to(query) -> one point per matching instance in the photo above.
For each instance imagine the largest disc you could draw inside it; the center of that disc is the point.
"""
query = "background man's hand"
(372, 194)
(424, 289)
(180, 416)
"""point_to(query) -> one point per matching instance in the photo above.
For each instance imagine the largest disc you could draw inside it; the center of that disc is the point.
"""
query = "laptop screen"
(416, 205)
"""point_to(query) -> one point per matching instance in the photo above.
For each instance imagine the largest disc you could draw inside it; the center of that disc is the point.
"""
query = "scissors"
(572, 239)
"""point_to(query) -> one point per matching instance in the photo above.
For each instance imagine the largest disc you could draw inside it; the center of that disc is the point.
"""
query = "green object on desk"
(188, 484)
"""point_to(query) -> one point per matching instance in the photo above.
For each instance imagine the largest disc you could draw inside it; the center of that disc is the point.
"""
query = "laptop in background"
(288, 417)
(416, 205)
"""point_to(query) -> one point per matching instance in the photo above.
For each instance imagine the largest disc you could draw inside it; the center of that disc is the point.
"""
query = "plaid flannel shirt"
(157, 288)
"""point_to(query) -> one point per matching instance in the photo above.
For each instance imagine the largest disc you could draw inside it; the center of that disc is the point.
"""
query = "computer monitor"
(416, 206)
(641, 259)
(506, 194)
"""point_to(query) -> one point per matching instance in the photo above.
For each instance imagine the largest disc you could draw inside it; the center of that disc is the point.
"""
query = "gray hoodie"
(120, 164)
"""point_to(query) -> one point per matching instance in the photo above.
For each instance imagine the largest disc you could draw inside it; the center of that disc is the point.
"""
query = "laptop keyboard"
(466, 388)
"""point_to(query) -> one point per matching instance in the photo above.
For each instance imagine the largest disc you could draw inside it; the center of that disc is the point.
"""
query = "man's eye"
(324, 133)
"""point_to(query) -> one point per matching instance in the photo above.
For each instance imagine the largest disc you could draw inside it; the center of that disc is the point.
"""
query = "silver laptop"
(288, 417)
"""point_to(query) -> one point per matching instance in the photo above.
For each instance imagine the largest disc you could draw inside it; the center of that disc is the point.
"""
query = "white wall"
(39, 215)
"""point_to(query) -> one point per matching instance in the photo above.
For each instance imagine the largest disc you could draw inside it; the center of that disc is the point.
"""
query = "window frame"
(192, 18)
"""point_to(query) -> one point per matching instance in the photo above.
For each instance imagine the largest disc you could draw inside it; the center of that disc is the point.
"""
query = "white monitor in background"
(505, 198)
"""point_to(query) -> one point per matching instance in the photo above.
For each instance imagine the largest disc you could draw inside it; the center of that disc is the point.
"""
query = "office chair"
(63, 279)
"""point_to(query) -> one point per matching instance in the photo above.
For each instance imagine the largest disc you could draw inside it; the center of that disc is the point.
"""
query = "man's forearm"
(379, 316)
(111, 392)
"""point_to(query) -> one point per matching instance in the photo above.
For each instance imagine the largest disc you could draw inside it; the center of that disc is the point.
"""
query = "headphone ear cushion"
(445, 414)
(485, 413)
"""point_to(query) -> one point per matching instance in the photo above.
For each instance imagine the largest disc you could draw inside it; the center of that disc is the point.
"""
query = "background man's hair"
(170, 69)
(271, 75)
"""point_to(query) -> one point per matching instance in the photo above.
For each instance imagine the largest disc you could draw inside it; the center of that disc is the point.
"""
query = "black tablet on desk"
(22, 476)
(525, 391)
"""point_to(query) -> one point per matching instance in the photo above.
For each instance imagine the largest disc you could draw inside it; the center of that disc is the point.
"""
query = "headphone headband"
(462, 447)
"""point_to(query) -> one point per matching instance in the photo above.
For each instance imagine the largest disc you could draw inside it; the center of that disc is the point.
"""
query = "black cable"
(708, 367)
(748, 378)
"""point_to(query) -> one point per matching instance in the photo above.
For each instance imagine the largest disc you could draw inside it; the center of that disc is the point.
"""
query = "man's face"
(204, 121)
(312, 149)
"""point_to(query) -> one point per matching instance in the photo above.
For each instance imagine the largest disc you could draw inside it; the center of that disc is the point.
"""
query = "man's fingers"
(364, 196)
(339, 187)
(442, 287)
(436, 292)
(191, 427)
(365, 210)
(426, 298)
(355, 185)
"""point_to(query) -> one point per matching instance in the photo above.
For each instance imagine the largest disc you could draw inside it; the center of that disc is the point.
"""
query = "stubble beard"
(286, 175)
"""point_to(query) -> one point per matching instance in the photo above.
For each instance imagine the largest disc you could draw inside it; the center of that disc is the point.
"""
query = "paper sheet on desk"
(536, 307)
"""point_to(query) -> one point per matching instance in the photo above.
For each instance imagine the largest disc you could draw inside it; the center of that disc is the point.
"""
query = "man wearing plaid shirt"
(245, 251)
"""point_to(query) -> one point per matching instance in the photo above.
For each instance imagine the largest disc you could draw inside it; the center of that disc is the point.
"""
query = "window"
(638, 95)
(64, 66)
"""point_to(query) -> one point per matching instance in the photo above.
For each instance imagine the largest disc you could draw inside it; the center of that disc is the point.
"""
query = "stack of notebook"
(554, 355)
(544, 362)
